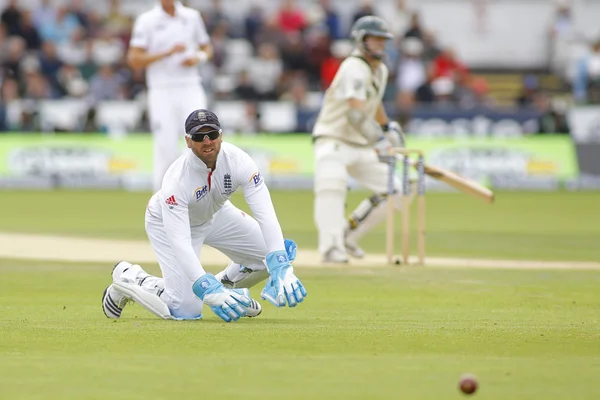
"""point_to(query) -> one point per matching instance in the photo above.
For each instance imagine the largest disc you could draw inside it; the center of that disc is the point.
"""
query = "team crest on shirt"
(227, 185)
(201, 192)
(256, 178)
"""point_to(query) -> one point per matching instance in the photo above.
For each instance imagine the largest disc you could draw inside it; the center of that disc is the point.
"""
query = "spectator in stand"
(11, 18)
(293, 54)
(71, 82)
(116, 21)
(60, 27)
(254, 23)
(13, 58)
(77, 9)
(415, 28)
(472, 92)
(430, 47)
(586, 85)
(44, 11)
(529, 91)
(339, 51)
(95, 24)
(106, 85)
(397, 15)
(245, 89)
(332, 20)
(216, 17)
(270, 33)
(562, 33)
(552, 119)
(290, 18)
(424, 93)
(266, 72)
(73, 51)
(366, 8)
(50, 64)
(218, 40)
(443, 90)
(447, 65)
(319, 50)
(36, 86)
(411, 73)
(29, 32)
(10, 107)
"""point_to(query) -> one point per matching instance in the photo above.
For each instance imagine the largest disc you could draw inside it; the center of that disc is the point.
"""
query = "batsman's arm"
(367, 126)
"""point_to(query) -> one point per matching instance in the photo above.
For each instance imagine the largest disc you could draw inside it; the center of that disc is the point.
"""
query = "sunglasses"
(199, 137)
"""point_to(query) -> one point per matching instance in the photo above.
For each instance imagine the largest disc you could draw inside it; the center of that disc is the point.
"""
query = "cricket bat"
(458, 182)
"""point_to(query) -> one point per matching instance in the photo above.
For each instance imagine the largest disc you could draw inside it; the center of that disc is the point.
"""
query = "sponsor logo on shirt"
(201, 192)
(256, 178)
(171, 202)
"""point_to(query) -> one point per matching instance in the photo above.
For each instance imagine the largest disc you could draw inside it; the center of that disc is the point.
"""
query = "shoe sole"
(255, 305)
(104, 295)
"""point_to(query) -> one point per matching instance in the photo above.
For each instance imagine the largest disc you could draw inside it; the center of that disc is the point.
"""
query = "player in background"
(191, 209)
(170, 41)
(351, 137)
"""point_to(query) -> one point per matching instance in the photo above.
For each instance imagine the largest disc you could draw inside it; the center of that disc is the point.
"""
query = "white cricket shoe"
(255, 308)
(335, 256)
(113, 302)
(353, 249)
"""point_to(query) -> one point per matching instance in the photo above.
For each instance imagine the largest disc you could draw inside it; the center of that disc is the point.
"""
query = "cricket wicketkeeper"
(191, 209)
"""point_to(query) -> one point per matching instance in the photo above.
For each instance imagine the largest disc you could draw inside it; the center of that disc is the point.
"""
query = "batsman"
(351, 137)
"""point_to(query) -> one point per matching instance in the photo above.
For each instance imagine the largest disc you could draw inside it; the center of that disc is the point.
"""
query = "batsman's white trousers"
(231, 231)
(168, 109)
(335, 162)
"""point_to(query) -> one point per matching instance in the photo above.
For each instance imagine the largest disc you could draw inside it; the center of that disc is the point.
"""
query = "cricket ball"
(468, 384)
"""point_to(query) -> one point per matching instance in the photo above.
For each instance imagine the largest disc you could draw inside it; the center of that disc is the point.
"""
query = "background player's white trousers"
(335, 162)
(231, 231)
(167, 111)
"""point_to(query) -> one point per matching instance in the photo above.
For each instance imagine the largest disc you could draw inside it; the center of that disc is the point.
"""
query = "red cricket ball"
(468, 384)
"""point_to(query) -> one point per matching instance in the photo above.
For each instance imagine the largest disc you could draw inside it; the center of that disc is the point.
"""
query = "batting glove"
(283, 286)
(228, 304)
(395, 134)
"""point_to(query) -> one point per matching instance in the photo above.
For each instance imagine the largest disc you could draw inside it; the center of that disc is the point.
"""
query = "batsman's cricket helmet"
(369, 25)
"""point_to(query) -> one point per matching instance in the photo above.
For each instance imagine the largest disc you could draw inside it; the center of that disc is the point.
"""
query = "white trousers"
(167, 112)
(335, 162)
(231, 231)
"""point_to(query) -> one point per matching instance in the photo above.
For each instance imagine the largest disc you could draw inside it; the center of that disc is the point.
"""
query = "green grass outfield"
(385, 333)
(539, 226)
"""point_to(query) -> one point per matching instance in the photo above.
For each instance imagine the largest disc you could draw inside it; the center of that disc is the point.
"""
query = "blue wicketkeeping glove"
(228, 304)
(283, 286)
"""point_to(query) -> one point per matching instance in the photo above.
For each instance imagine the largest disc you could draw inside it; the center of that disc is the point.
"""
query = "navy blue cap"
(199, 119)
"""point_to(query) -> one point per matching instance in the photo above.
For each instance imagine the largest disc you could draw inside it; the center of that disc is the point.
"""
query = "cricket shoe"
(113, 302)
(353, 249)
(335, 256)
(255, 308)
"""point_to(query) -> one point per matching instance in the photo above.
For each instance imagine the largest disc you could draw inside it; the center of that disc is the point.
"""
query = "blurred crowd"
(76, 51)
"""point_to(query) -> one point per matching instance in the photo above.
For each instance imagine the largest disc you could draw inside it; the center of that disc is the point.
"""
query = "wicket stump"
(406, 153)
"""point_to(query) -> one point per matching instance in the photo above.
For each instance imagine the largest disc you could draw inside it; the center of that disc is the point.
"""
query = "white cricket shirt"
(158, 32)
(354, 80)
(191, 194)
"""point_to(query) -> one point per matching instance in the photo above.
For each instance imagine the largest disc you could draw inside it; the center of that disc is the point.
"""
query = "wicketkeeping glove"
(228, 304)
(282, 285)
